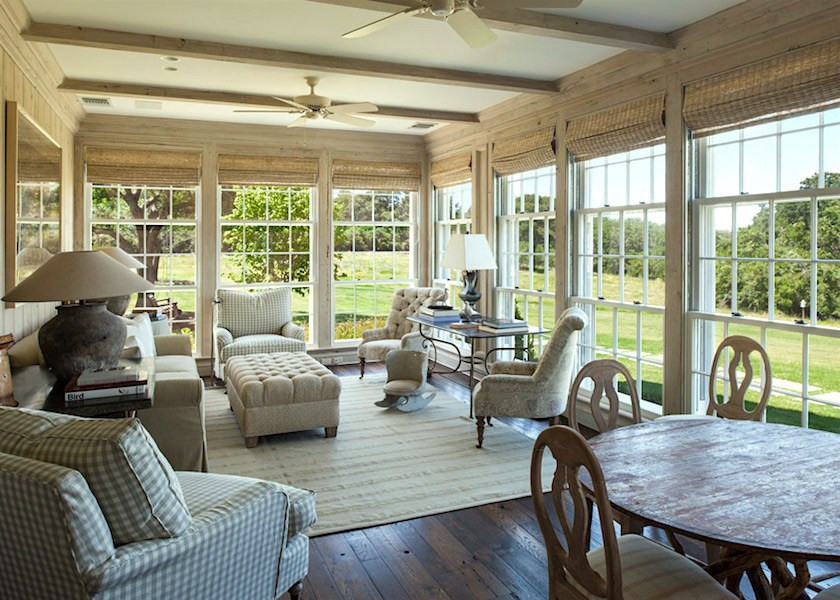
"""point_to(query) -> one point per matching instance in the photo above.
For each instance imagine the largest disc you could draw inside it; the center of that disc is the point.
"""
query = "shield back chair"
(534, 390)
(407, 370)
(398, 333)
(629, 567)
(255, 323)
(741, 347)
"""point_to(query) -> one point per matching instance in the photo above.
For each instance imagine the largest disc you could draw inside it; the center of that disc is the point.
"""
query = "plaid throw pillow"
(136, 488)
(244, 313)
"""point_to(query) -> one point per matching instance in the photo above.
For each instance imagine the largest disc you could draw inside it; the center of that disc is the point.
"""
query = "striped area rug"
(384, 466)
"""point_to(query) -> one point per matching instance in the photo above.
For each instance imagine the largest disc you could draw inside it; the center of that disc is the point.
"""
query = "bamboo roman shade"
(452, 171)
(384, 176)
(635, 124)
(797, 82)
(142, 167)
(524, 152)
(267, 170)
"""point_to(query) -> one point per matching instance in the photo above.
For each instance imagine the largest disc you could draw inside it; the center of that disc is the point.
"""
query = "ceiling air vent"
(423, 126)
(94, 101)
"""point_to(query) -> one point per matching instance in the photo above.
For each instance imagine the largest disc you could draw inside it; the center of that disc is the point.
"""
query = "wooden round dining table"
(764, 493)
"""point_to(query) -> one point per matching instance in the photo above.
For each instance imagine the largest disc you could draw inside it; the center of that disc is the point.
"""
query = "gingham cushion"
(652, 572)
(261, 344)
(244, 313)
(136, 488)
(20, 428)
(302, 514)
(52, 531)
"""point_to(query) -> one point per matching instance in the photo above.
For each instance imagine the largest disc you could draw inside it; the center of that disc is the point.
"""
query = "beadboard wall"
(29, 76)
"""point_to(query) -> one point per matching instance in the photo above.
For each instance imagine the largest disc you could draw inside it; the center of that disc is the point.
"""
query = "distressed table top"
(746, 485)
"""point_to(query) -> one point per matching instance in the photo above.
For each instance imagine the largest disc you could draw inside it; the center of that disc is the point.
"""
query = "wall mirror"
(33, 195)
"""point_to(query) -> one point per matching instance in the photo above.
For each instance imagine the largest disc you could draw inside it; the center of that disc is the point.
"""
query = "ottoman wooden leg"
(295, 590)
(251, 442)
(331, 431)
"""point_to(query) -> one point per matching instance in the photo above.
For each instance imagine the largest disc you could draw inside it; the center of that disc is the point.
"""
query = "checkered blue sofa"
(89, 508)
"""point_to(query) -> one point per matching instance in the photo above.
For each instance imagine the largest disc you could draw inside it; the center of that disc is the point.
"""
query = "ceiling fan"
(314, 107)
(461, 16)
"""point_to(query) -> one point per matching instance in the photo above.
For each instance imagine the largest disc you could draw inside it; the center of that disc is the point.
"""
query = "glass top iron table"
(472, 336)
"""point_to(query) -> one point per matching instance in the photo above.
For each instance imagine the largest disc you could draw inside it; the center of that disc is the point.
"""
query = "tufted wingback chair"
(398, 332)
(535, 390)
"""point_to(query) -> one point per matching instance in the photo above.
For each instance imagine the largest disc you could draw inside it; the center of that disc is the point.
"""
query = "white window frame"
(267, 222)
(412, 279)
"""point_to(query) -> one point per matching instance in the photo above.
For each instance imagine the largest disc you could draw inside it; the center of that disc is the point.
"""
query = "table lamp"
(83, 335)
(469, 252)
(119, 304)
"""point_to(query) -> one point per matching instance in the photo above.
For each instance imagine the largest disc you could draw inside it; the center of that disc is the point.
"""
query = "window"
(619, 262)
(453, 214)
(526, 275)
(373, 246)
(267, 241)
(38, 211)
(767, 259)
(158, 226)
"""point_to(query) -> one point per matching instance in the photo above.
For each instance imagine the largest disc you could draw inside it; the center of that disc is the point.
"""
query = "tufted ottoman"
(281, 392)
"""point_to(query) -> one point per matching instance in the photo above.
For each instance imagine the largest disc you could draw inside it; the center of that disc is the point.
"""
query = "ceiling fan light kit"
(460, 16)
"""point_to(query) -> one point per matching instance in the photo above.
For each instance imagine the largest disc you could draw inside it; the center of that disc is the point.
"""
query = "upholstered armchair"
(377, 343)
(535, 390)
(253, 323)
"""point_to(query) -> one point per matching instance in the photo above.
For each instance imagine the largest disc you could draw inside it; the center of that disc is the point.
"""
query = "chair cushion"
(20, 428)
(244, 313)
(136, 488)
(261, 344)
(378, 349)
(205, 491)
(652, 572)
(402, 386)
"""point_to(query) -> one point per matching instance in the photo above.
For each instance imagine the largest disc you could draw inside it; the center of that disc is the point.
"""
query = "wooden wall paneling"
(675, 396)
(208, 252)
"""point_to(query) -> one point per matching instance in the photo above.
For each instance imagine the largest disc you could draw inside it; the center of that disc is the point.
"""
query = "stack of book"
(507, 326)
(107, 385)
(442, 313)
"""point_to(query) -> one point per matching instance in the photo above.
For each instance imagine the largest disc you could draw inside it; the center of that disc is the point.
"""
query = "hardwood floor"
(489, 552)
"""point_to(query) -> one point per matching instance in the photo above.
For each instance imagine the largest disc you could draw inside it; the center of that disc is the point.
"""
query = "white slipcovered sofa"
(91, 509)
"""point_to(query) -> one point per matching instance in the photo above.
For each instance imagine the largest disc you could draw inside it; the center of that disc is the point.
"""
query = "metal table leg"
(472, 373)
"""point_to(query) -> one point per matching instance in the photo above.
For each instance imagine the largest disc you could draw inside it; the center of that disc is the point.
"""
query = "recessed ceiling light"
(170, 68)
(170, 58)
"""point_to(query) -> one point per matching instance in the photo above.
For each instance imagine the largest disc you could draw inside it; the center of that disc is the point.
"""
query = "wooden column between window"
(561, 221)
(425, 228)
(675, 392)
(81, 202)
(208, 251)
(322, 300)
(484, 221)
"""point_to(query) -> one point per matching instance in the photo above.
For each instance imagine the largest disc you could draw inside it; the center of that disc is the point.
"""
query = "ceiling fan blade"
(471, 29)
(359, 107)
(275, 110)
(348, 120)
(299, 122)
(529, 3)
(390, 19)
(292, 103)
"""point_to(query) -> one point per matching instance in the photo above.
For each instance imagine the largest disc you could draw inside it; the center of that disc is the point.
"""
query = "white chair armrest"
(296, 332)
(223, 337)
(370, 335)
(513, 367)
(413, 341)
(175, 344)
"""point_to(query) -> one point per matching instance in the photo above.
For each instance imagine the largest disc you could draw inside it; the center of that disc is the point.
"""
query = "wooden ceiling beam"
(109, 88)
(89, 37)
(540, 24)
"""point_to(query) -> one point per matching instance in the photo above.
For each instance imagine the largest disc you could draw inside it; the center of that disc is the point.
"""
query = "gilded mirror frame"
(34, 194)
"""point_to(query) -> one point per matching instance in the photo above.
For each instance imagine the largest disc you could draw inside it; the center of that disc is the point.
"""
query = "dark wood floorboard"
(490, 552)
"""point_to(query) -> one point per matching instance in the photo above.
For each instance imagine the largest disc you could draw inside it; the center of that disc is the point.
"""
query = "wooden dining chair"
(734, 407)
(629, 567)
(603, 374)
